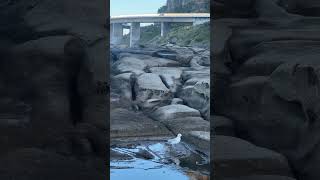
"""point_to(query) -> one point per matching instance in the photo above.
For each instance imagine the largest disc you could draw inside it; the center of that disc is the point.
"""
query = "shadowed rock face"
(266, 78)
(48, 97)
(44, 165)
(247, 8)
(235, 157)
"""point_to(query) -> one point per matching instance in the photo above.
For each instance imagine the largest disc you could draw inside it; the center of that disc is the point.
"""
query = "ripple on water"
(155, 169)
(144, 169)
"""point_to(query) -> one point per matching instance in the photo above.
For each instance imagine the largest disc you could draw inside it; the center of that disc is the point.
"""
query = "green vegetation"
(198, 36)
(163, 9)
(180, 34)
(147, 33)
(194, 6)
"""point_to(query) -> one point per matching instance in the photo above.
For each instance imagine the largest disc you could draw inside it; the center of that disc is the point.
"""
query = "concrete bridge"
(118, 23)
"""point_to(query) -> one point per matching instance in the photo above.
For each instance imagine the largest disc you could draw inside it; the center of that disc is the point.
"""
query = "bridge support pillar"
(134, 34)
(165, 28)
(116, 33)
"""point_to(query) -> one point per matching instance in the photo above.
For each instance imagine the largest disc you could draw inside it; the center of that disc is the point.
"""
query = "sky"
(129, 7)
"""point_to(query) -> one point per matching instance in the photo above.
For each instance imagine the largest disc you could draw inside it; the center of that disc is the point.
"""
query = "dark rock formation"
(32, 163)
(52, 56)
(265, 76)
(234, 157)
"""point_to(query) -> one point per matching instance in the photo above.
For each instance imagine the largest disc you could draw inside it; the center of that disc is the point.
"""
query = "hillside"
(186, 6)
(198, 36)
(180, 34)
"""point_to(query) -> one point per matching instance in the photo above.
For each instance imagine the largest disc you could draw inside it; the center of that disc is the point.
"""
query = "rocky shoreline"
(161, 92)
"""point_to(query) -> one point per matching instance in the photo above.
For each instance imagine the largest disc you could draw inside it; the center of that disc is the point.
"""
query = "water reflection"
(159, 161)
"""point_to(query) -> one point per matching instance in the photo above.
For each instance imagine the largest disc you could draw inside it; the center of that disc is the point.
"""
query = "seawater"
(153, 169)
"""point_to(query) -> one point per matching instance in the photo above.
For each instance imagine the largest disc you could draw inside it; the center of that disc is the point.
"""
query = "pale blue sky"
(129, 7)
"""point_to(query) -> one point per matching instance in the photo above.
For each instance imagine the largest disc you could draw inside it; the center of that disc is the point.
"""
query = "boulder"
(123, 84)
(86, 140)
(255, 108)
(299, 82)
(150, 86)
(138, 64)
(258, 104)
(242, 40)
(129, 65)
(151, 104)
(183, 54)
(305, 8)
(222, 125)
(187, 124)
(197, 80)
(188, 74)
(201, 60)
(85, 21)
(171, 77)
(234, 157)
(243, 98)
(144, 154)
(116, 156)
(266, 57)
(50, 68)
(197, 97)
(200, 140)
(128, 124)
(174, 111)
(260, 177)
(165, 53)
(238, 9)
(152, 61)
(205, 58)
(177, 101)
(52, 65)
(14, 113)
(265, 79)
(32, 163)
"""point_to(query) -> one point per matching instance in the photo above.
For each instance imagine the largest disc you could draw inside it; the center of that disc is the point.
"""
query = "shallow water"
(169, 163)
(144, 169)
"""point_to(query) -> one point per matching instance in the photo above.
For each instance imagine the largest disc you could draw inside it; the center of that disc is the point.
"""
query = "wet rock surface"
(157, 160)
(265, 82)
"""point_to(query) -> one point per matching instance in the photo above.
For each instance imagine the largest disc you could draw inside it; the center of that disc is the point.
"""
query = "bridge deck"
(165, 17)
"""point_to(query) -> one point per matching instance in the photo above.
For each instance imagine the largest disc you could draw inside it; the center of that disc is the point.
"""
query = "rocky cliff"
(180, 6)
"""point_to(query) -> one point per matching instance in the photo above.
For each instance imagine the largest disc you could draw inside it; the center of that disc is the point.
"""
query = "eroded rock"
(150, 86)
(174, 111)
(235, 157)
(128, 124)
